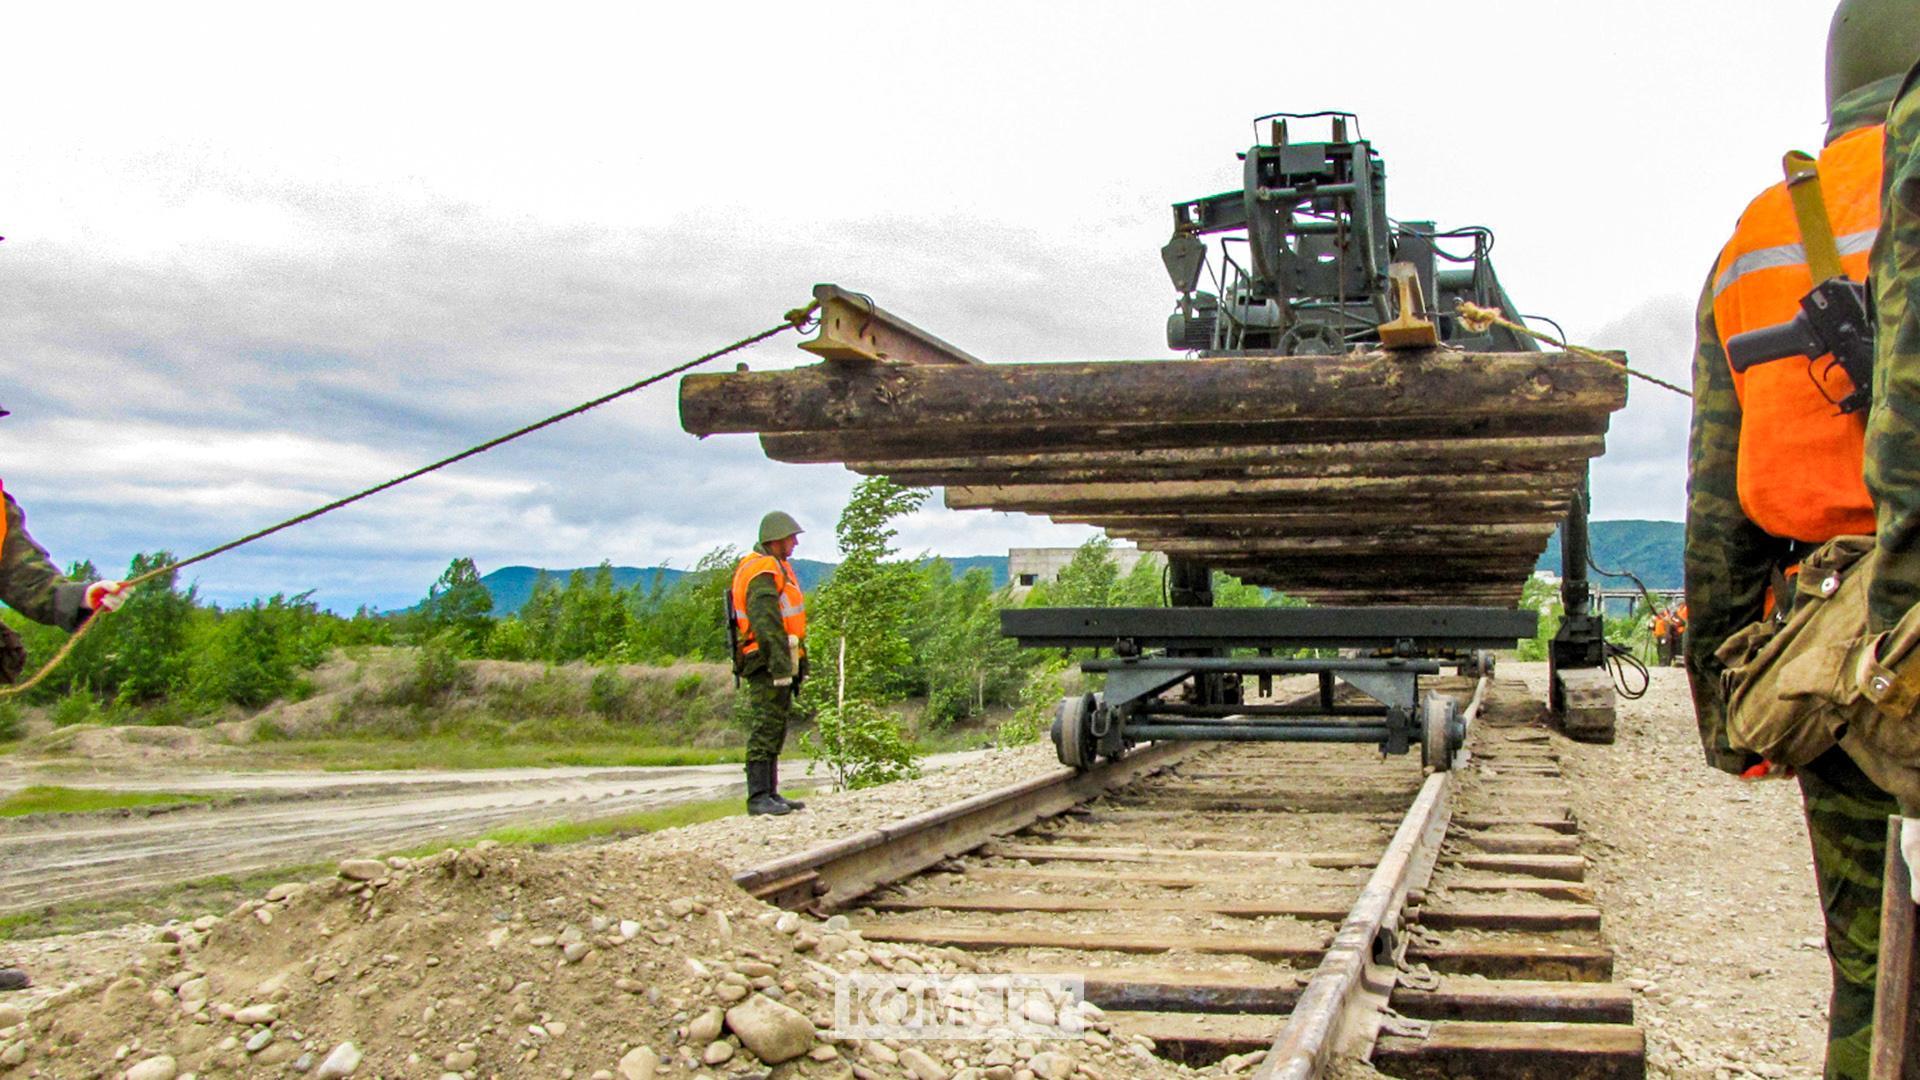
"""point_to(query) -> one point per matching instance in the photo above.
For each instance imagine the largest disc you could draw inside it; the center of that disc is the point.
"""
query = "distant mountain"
(1651, 549)
(512, 586)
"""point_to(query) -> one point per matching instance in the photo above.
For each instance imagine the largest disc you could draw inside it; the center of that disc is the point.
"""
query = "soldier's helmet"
(778, 526)
(1870, 40)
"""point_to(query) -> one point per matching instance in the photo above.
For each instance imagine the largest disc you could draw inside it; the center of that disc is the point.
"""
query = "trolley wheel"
(1439, 734)
(1073, 731)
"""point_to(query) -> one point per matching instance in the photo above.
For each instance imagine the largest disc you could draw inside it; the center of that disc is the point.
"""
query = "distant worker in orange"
(1676, 634)
(767, 622)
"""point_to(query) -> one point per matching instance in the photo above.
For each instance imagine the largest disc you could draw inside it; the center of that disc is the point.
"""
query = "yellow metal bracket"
(853, 327)
(1408, 330)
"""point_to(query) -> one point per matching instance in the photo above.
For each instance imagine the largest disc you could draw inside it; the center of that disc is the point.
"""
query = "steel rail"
(1326, 1013)
(836, 874)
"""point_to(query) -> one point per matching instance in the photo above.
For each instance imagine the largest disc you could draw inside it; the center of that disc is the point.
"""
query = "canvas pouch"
(1796, 689)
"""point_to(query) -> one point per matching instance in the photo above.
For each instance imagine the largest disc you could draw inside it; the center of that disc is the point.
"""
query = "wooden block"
(1585, 701)
(1499, 843)
(1558, 821)
(1560, 867)
(1150, 989)
(1545, 961)
(1497, 1050)
(1541, 919)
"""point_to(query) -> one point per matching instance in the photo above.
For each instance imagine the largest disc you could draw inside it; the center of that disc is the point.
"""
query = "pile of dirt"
(132, 744)
(500, 961)
(392, 690)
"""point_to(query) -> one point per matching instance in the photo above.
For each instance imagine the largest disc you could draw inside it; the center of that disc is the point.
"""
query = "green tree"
(870, 599)
(863, 614)
(1089, 578)
(965, 661)
(686, 620)
(459, 604)
(1542, 596)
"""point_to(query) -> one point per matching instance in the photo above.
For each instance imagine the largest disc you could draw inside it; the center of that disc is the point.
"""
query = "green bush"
(79, 707)
(436, 675)
(608, 694)
(13, 723)
(860, 745)
(688, 685)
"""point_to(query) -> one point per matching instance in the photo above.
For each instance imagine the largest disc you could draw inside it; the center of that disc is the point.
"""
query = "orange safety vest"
(793, 603)
(1800, 465)
(3, 516)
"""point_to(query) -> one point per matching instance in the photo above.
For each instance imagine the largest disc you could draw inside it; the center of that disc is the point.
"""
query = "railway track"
(1283, 905)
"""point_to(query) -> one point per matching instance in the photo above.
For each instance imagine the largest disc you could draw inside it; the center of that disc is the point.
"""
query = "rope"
(1478, 320)
(797, 319)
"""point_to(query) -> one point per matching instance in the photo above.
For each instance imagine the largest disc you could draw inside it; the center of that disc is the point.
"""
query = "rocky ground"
(640, 958)
(1707, 885)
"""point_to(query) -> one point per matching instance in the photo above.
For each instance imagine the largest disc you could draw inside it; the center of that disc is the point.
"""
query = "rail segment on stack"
(1428, 476)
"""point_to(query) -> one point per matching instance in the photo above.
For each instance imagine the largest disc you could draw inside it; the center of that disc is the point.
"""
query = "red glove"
(1767, 769)
(107, 595)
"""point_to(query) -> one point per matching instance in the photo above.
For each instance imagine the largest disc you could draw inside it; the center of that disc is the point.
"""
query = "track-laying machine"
(1335, 432)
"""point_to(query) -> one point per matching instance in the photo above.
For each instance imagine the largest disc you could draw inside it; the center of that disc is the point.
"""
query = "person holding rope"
(30, 585)
(1779, 513)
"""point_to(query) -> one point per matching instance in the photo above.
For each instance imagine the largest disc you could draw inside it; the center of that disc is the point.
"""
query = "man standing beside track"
(1776, 472)
(767, 622)
(30, 585)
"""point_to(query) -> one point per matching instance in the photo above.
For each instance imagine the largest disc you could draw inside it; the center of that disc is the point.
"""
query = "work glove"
(1910, 851)
(784, 681)
(106, 595)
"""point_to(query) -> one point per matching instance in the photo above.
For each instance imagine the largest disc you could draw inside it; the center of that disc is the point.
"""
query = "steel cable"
(797, 319)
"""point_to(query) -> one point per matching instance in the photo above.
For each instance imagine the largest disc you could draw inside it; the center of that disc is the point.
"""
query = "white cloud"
(257, 257)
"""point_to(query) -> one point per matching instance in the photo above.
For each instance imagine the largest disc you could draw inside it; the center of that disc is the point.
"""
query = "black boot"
(792, 804)
(760, 796)
(13, 979)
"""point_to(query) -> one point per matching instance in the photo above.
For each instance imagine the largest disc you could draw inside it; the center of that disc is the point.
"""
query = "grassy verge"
(218, 894)
(186, 900)
(47, 799)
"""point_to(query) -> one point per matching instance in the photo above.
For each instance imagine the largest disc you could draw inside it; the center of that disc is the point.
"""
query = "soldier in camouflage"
(1893, 427)
(30, 585)
(1731, 561)
(767, 616)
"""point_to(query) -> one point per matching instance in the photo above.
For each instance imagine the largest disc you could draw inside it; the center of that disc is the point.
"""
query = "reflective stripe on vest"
(793, 603)
(1800, 464)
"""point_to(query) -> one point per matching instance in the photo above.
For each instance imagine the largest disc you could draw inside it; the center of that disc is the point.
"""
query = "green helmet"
(1870, 40)
(778, 526)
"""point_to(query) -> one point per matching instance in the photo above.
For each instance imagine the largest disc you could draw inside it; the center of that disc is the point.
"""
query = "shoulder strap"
(1810, 211)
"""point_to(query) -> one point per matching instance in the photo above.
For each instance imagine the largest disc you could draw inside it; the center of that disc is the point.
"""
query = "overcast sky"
(262, 255)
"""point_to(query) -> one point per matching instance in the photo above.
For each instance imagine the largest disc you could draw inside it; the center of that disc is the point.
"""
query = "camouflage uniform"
(761, 707)
(29, 583)
(1729, 563)
(1893, 427)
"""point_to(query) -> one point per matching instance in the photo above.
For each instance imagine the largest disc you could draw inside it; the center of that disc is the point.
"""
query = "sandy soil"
(292, 819)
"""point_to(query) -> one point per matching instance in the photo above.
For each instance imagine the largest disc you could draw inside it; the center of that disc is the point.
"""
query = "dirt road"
(293, 818)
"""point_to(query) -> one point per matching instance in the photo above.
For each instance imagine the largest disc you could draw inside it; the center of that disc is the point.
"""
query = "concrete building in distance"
(1027, 567)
